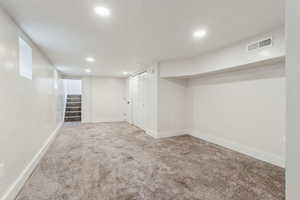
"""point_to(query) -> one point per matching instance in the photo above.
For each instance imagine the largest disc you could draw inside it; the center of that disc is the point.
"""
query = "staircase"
(73, 108)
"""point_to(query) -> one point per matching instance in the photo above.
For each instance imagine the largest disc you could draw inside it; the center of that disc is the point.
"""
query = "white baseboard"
(258, 154)
(151, 133)
(15, 188)
(104, 120)
(166, 134)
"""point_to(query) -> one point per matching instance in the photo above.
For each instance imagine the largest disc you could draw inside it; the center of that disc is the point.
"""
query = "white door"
(129, 101)
(139, 101)
(138, 85)
(143, 100)
(134, 105)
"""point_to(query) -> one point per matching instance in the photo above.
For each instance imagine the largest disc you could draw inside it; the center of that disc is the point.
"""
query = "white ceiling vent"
(260, 44)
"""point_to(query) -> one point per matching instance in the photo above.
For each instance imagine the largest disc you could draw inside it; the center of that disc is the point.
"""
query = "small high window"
(25, 59)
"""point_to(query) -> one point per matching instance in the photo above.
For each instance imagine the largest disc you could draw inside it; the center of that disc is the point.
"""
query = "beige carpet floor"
(117, 161)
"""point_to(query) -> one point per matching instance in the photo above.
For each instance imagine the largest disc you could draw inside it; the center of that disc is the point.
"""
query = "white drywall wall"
(244, 110)
(103, 99)
(241, 108)
(293, 96)
(72, 86)
(231, 56)
(31, 110)
(172, 112)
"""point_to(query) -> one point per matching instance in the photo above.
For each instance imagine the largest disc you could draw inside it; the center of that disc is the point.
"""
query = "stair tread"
(72, 116)
(73, 108)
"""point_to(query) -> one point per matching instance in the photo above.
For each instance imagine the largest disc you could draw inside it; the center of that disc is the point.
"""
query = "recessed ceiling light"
(199, 33)
(102, 11)
(88, 70)
(125, 73)
(90, 59)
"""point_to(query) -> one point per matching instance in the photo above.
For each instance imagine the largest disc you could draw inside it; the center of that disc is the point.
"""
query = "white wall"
(172, 112)
(230, 100)
(232, 56)
(72, 86)
(31, 110)
(293, 94)
(103, 99)
(243, 110)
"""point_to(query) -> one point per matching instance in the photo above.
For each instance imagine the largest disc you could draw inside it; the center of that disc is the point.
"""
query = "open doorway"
(73, 92)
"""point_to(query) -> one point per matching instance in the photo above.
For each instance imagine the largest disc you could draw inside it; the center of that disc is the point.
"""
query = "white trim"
(64, 106)
(151, 133)
(17, 185)
(105, 120)
(255, 153)
(166, 134)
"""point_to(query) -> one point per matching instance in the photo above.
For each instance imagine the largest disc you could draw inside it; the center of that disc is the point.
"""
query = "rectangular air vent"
(260, 44)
